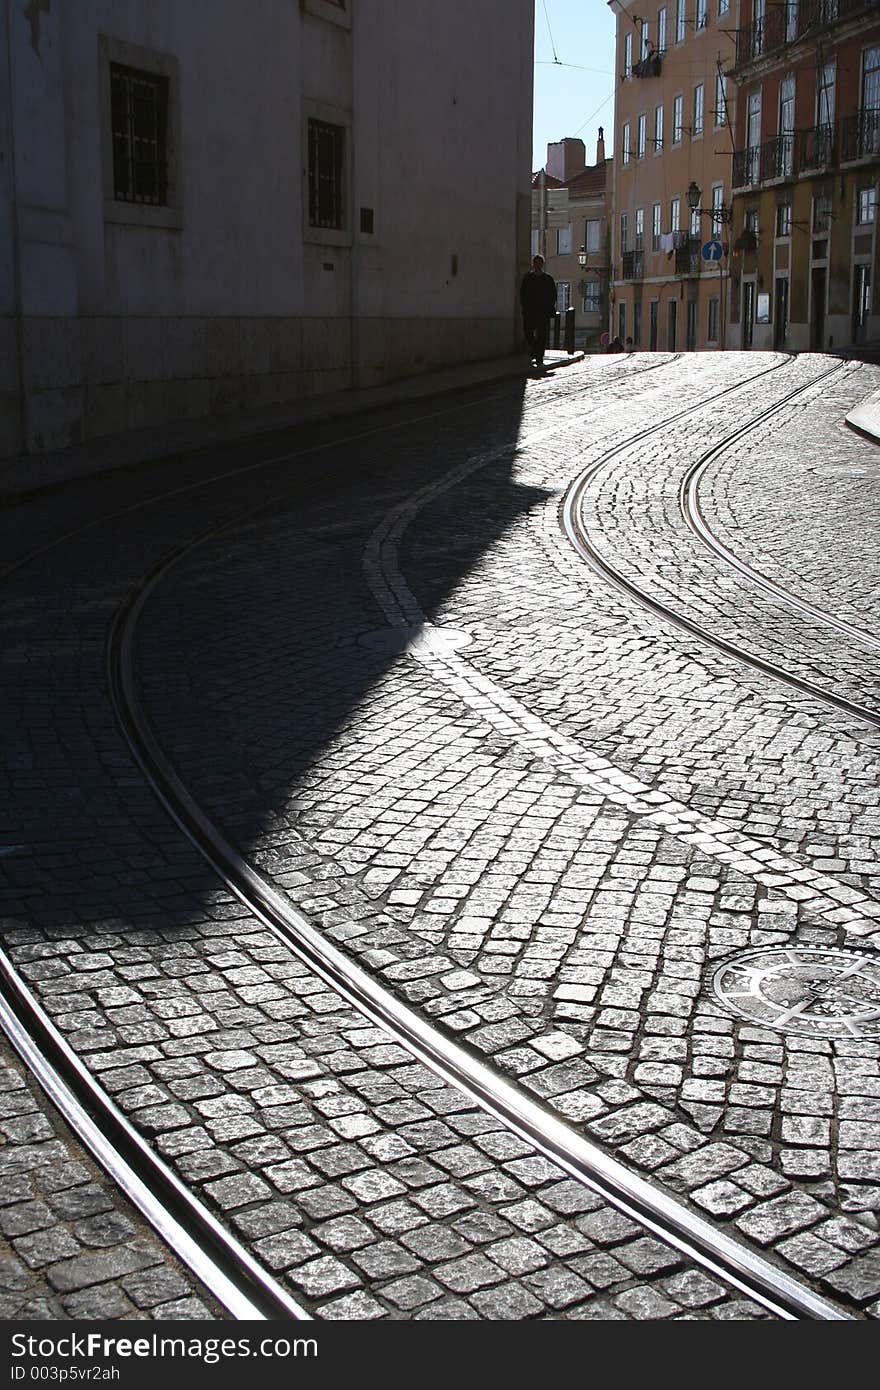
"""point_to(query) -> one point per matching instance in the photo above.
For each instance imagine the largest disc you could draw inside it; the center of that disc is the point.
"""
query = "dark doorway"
(671, 324)
(654, 324)
(817, 309)
(748, 313)
(861, 302)
(780, 313)
(691, 342)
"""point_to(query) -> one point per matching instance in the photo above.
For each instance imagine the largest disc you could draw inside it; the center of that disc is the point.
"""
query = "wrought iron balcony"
(633, 265)
(815, 148)
(747, 167)
(860, 135)
(687, 257)
(777, 157)
(649, 66)
(786, 23)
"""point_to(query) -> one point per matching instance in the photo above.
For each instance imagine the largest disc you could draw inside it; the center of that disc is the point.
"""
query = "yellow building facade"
(673, 131)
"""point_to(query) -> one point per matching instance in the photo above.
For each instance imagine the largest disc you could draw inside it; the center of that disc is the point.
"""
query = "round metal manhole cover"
(803, 989)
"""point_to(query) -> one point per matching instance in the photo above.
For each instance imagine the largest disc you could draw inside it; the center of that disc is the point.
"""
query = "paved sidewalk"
(866, 417)
(105, 453)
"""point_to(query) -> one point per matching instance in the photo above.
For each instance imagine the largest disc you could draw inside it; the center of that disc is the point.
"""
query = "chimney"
(566, 159)
(600, 147)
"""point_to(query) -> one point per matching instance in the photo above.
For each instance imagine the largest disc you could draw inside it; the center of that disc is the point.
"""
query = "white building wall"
(228, 299)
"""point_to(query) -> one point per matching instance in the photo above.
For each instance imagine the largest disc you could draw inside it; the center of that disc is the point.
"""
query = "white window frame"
(642, 136)
(661, 29)
(720, 100)
(593, 235)
(625, 145)
(656, 226)
(680, 21)
(677, 118)
(697, 125)
(658, 129)
(592, 303)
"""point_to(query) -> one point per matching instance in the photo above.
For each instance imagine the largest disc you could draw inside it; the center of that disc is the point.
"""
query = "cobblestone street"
(553, 708)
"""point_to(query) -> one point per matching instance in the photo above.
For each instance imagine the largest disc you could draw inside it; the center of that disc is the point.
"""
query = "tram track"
(590, 552)
(196, 1234)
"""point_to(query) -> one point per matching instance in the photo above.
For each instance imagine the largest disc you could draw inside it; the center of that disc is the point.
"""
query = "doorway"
(748, 313)
(654, 324)
(780, 313)
(817, 308)
(671, 324)
(861, 302)
(691, 340)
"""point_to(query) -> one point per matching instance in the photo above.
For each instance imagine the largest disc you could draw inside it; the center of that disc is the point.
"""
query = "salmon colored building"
(673, 128)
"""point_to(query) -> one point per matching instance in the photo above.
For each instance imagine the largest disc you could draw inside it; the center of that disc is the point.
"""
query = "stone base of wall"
(85, 378)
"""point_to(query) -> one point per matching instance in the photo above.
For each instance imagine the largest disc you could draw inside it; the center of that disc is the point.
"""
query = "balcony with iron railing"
(632, 267)
(816, 149)
(860, 135)
(808, 151)
(687, 256)
(746, 171)
(786, 23)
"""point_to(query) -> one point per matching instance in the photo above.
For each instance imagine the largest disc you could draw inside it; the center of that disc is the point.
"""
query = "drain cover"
(803, 989)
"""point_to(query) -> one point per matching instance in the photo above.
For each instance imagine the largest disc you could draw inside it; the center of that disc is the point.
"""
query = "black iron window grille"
(326, 170)
(139, 118)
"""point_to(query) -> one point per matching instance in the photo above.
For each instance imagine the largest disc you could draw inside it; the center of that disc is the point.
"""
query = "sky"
(574, 75)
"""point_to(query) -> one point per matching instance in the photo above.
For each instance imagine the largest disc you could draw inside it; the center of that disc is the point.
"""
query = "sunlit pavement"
(573, 833)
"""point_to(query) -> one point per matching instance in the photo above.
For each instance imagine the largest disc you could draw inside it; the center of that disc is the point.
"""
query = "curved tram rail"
(219, 1261)
(574, 529)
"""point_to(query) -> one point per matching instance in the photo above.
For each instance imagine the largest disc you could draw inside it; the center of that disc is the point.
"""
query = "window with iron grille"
(326, 174)
(139, 121)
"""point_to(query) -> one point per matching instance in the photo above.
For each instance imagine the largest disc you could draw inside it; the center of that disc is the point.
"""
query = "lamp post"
(722, 213)
(721, 216)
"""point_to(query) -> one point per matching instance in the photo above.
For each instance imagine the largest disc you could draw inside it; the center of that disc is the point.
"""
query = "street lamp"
(582, 257)
(722, 214)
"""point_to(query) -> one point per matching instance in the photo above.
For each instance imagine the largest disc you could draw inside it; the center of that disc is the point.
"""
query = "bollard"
(569, 331)
(557, 324)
